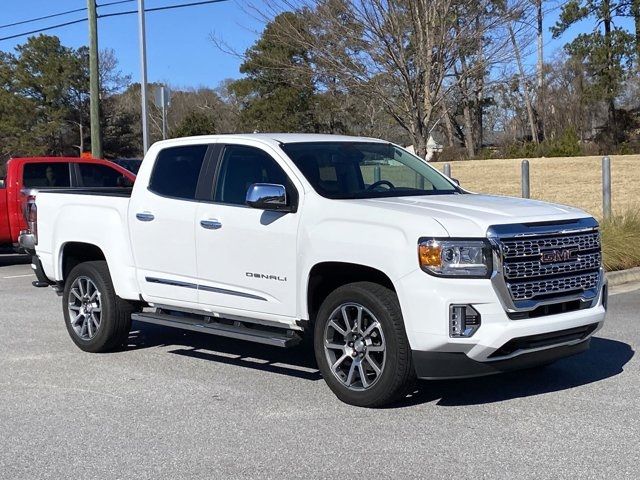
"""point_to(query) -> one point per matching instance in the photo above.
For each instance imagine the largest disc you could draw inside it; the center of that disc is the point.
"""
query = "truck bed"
(96, 216)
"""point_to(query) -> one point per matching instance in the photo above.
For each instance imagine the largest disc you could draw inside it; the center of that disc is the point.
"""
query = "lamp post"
(143, 76)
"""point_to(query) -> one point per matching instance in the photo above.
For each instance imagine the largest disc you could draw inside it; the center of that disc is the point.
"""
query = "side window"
(242, 166)
(176, 171)
(94, 175)
(46, 175)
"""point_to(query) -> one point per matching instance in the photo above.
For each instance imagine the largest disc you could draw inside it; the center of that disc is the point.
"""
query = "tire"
(101, 321)
(381, 353)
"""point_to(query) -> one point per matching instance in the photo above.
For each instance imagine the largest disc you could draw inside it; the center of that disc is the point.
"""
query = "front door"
(246, 256)
(161, 219)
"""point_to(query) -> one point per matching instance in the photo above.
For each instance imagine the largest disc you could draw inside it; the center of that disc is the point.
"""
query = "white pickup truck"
(391, 268)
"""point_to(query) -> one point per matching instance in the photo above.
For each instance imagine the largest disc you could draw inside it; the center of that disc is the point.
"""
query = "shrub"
(566, 145)
(621, 241)
(451, 154)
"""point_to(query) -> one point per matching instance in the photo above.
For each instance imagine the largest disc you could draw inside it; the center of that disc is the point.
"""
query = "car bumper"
(441, 365)
(42, 279)
(500, 343)
(27, 241)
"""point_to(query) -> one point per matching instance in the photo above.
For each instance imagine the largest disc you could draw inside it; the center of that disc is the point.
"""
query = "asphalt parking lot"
(183, 405)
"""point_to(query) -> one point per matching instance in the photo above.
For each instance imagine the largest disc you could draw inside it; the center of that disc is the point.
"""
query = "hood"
(470, 215)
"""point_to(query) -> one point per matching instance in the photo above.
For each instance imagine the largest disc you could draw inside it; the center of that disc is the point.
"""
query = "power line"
(22, 22)
(113, 3)
(60, 14)
(156, 9)
(128, 12)
(44, 29)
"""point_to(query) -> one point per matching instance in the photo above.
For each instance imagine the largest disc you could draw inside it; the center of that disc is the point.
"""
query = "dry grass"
(621, 241)
(575, 181)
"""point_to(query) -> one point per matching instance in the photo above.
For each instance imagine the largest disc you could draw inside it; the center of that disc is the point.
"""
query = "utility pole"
(94, 81)
(143, 76)
(540, 71)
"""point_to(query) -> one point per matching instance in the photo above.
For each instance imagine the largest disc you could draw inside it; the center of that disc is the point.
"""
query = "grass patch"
(575, 181)
(621, 241)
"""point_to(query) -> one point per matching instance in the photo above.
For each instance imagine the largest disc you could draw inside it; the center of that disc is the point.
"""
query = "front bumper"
(425, 305)
(440, 365)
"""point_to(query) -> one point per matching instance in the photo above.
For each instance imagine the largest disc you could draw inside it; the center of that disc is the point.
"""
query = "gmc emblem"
(553, 256)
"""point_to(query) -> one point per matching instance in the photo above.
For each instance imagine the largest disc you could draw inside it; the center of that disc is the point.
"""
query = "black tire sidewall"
(102, 339)
(386, 387)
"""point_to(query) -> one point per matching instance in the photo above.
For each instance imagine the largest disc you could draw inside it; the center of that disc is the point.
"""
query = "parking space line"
(18, 276)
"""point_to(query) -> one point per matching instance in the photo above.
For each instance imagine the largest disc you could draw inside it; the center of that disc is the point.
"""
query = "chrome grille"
(533, 246)
(555, 286)
(541, 264)
(535, 268)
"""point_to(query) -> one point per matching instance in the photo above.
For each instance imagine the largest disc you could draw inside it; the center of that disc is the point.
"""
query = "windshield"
(347, 170)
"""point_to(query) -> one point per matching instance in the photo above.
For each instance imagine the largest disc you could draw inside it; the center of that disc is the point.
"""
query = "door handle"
(145, 216)
(210, 224)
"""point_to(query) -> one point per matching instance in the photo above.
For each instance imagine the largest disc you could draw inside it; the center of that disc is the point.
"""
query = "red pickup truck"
(26, 175)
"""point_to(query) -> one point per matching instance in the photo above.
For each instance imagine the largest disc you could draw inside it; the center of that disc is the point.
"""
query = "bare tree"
(402, 54)
(523, 81)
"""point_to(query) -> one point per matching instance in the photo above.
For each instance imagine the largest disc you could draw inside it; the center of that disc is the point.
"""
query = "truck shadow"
(6, 260)
(296, 362)
(606, 358)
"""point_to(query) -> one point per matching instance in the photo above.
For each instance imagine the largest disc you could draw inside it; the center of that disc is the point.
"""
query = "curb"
(623, 276)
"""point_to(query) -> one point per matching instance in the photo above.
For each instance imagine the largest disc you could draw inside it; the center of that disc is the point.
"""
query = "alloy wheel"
(354, 346)
(85, 308)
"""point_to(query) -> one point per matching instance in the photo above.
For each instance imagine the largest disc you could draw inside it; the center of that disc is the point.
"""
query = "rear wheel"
(96, 318)
(361, 346)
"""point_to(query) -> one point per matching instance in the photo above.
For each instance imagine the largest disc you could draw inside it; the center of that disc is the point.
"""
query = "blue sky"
(179, 47)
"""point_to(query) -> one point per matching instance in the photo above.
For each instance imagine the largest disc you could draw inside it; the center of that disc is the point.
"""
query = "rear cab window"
(177, 170)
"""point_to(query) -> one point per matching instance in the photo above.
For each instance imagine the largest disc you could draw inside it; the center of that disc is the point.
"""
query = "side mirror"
(267, 196)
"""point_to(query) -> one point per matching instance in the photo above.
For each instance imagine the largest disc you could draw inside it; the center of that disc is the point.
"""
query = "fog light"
(464, 320)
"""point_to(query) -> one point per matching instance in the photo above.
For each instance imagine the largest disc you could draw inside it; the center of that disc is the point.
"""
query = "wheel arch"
(325, 277)
(75, 253)
(72, 253)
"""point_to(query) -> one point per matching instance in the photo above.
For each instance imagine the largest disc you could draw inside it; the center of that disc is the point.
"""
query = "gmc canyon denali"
(391, 268)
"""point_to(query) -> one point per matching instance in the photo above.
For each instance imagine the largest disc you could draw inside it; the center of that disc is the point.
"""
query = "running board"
(211, 325)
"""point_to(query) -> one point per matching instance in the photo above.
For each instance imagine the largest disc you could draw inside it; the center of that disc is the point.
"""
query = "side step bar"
(238, 330)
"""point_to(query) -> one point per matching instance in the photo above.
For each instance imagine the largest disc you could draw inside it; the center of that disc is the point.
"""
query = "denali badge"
(552, 256)
(267, 277)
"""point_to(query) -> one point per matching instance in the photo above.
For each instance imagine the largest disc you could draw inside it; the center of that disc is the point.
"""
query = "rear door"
(246, 256)
(161, 219)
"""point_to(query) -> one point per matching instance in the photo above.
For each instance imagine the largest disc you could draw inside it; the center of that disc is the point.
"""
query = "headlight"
(456, 258)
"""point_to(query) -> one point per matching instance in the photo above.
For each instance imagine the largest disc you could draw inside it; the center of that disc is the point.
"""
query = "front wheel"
(96, 318)
(361, 346)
